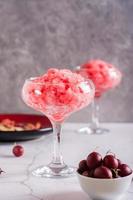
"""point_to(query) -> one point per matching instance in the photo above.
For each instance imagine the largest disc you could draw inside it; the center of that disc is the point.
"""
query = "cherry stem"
(1, 171)
(97, 147)
(110, 152)
(15, 143)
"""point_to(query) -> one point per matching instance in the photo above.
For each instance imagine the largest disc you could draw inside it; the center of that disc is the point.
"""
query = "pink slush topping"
(58, 93)
(104, 75)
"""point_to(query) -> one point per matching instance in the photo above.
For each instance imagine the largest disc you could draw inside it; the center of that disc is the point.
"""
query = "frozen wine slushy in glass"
(105, 77)
(57, 94)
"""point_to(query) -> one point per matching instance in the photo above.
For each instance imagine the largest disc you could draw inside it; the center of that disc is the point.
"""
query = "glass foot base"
(52, 172)
(89, 130)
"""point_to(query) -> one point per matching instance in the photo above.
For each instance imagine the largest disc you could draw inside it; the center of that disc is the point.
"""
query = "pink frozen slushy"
(58, 93)
(104, 75)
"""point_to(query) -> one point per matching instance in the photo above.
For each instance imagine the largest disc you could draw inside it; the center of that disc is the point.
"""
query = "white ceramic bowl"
(105, 189)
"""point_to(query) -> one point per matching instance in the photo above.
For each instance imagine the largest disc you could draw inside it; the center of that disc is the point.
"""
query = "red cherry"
(94, 160)
(124, 170)
(18, 150)
(119, 163)
(91, 173)
(83, 165)
(110, 161)
(102, 172)
(85, 173)
(88, 173)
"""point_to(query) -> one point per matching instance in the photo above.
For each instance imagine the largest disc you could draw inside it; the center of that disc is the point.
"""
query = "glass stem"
(57, 157)
(95, 114)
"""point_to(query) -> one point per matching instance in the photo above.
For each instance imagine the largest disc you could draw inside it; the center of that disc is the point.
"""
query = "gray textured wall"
(36, 34)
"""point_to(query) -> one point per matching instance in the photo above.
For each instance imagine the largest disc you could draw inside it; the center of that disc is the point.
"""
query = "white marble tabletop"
(18, 183)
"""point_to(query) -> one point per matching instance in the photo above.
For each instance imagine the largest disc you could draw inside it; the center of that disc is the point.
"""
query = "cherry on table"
(18, 150)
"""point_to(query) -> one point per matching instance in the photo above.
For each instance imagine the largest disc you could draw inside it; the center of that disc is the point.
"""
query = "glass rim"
(31, 79)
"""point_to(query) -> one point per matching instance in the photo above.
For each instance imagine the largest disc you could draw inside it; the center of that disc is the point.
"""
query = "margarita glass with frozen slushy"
(57, 94)
(105, 77)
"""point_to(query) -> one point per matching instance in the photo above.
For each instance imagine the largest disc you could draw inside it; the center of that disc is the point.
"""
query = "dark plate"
(25, 135)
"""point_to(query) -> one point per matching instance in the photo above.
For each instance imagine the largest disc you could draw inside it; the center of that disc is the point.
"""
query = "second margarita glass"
(57, 94)
(105, 77)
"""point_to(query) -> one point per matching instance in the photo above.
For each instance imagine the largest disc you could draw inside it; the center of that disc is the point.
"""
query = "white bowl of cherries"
(104, 178)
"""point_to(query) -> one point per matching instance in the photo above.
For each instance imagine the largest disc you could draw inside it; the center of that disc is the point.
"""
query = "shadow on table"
(71, 195)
